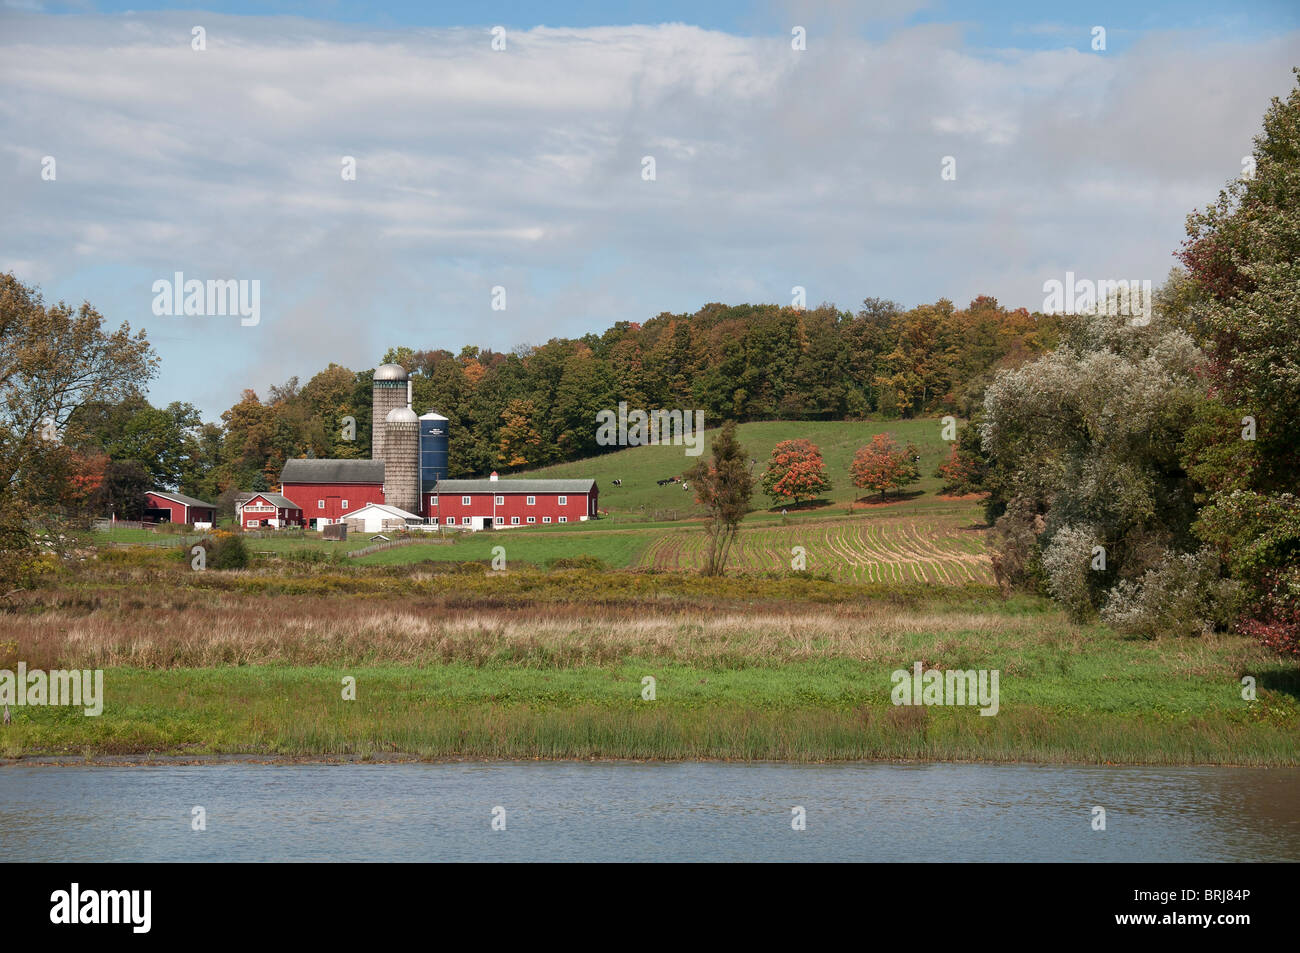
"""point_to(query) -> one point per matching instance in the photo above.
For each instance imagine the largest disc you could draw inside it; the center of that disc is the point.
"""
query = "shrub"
(224, 551)
(1184, 595)
(577, 562)
(1067, 563)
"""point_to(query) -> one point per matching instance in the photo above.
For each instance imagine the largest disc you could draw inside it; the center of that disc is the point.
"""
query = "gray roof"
(332, 471)
(275, 499)
(390, 372)
(244, 496)
(514, 486)
(182, 498)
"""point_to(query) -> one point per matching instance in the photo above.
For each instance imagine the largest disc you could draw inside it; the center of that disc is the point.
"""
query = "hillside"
(640, 467)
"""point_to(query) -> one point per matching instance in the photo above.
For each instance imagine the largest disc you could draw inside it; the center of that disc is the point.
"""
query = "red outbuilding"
(268, 509)
(166, 507)
(504, 504)
(327, 490)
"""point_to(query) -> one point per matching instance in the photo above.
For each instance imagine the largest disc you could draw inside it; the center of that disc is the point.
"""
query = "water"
(648, 812)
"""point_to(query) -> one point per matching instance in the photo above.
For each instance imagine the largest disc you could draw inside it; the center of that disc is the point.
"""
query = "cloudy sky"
(523, 168)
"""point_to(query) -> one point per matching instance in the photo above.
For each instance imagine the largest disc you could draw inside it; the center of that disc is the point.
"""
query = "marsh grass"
(530, 664)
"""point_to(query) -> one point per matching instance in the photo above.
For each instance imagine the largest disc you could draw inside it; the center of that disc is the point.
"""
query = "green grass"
(809, 711)
(640, 467)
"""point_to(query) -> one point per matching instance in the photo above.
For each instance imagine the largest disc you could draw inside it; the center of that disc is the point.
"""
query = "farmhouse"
(267, 509)
(328, 490)
(507, 503)
(166, 507)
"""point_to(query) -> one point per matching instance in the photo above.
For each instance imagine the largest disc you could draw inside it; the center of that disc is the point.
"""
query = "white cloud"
(523, 168)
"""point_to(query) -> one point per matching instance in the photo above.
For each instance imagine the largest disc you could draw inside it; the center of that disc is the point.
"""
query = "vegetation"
(532, 664)
(1105, 496)
(723, 485)
(795, 472)
(883, 465)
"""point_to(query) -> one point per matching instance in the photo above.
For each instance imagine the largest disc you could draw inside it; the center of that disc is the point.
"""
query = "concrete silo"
(391, 387)
(434, 447)
(402, 459)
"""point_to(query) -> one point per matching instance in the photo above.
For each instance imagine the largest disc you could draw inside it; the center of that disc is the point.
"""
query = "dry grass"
(152, 629)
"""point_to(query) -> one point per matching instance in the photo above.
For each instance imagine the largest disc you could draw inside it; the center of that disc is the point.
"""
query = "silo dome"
(390, 372)
(401, 415)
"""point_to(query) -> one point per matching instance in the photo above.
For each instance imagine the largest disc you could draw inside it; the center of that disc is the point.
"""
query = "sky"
(524, 169)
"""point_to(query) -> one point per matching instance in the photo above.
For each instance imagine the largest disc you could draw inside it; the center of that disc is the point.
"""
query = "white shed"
(378, 517)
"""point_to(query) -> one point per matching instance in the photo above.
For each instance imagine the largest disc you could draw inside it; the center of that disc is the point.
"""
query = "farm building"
(328, 490)
(507, 503)
(267, 509)
(377, 517)
(407, 475)
(166, 507)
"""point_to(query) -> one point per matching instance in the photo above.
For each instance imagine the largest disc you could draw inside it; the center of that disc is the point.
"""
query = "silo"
(389, 394)
(402, 459)
(434, 447)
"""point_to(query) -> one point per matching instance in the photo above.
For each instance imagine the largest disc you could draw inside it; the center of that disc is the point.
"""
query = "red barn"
(164, 507)
(326, 490)
(508, 503)
(268, 509)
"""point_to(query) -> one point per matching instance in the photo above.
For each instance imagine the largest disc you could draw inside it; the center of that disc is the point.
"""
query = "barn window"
(514, 521)
(546, 519)
(564, 519)
(500, 520)
(501, 501)
(532, 519)
(345, 504)
(451, 521)
(564, 501)
(320, 504)
(532, 501)
(464, 521)
(464, 501)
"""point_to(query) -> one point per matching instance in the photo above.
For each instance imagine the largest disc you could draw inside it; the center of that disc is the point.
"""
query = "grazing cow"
(663, 482)
(616, 482)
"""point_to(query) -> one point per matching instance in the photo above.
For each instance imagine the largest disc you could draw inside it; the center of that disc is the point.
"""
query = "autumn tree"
(53, 359)
(519, 444)
(723, 484)
(795, 472)
(883, 465)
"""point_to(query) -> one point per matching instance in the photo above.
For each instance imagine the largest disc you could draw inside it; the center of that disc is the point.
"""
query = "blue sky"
(522, 168)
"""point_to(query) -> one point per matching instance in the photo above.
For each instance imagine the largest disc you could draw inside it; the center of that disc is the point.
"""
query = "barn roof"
(181, 498)
(387, 508)
(332, 471)
(275, 499)
(514, 486)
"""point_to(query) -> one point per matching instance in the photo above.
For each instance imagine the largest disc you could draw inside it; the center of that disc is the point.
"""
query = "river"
(565, 811)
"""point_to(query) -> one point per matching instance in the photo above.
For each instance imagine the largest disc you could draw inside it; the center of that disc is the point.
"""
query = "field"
(640, 467)
(528, 664)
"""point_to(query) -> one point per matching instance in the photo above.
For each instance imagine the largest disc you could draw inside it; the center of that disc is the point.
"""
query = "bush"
(1067, 563)
(1184, 595)
(577, 562)
(224, 551)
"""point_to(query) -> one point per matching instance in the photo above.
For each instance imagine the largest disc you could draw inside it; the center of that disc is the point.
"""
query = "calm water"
(648, 812)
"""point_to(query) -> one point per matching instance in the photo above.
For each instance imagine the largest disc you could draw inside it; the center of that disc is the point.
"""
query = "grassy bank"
(550, 665)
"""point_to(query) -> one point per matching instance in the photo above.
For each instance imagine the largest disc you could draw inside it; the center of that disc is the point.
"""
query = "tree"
(723, 485)
(883, 465)
(964, 469)
(53, 359)
(1241, 255)
(795, 471)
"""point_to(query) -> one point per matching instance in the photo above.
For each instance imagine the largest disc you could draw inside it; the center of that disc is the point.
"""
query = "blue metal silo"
(433, 451)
